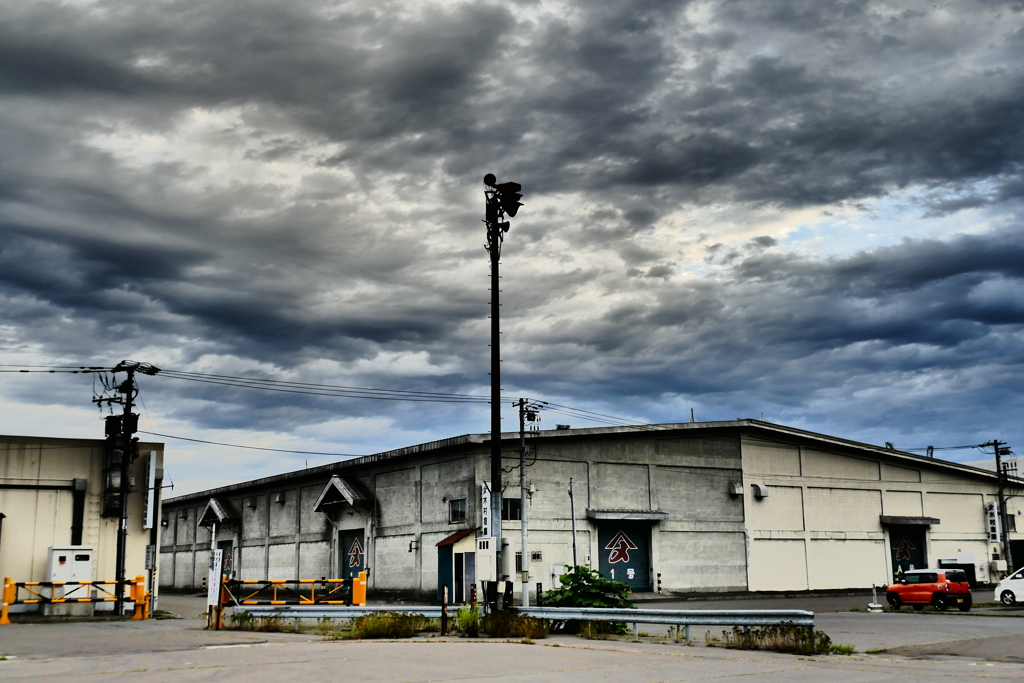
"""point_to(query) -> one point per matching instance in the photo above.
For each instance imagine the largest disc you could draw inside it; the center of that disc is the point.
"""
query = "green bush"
(784, 637)
(509, 624)
(467, 621)
(584, 587)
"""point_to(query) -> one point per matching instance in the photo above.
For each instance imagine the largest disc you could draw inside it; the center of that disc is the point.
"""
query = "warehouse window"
(511, 510)
(457, 511)
(535, 556)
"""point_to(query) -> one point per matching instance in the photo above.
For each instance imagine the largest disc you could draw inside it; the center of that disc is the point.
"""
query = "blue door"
(625, 553)
(352, 546)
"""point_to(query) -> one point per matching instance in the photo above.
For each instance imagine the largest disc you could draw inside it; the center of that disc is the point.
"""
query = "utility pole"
(500, 200)
(129, 424)
(127, 388)
(998, 448)
(523, 495)
(572, 514)
(527, 411)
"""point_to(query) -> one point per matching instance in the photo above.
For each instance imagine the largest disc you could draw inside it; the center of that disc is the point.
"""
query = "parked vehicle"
(940, 588)
(1011, 589)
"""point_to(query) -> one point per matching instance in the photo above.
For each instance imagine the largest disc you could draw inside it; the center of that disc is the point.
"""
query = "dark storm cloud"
(600, 101)
(286, 183)
(781, 329)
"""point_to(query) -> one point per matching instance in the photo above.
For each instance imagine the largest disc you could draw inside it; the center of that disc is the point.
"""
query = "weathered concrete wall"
(820, 526)
(38, 519)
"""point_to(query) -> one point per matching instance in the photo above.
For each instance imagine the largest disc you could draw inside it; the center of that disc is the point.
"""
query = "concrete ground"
(930, 644)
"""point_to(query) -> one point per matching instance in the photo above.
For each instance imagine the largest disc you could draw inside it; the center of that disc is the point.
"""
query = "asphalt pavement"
(987, 644)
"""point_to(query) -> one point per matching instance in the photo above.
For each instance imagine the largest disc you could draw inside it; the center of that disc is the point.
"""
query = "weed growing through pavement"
(508, 624)
(784, 637)
(387, 625)
(467, 621)
(243, 620)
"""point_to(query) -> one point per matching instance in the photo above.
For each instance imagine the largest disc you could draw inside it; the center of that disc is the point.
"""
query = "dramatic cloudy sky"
(810, 210)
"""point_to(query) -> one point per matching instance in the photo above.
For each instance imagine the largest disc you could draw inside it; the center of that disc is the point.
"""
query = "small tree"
(584, 587)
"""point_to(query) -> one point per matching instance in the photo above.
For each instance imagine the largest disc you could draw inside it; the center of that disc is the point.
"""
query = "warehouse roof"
(752, 427)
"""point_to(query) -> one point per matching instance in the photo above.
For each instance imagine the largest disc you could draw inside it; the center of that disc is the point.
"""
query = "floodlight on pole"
(501, 200)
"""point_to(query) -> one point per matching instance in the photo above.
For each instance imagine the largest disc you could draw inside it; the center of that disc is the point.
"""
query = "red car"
(940, 588)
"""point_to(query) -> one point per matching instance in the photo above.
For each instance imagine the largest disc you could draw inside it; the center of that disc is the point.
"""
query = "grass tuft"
(243, 620)
(508, 624)
(784, 637)
(387, 625)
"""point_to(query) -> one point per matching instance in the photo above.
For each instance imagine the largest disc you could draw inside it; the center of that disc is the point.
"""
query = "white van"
(1011, 589)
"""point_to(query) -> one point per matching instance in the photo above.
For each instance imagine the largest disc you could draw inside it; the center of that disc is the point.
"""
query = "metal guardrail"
(335, 612)
(672, 617)
(683, 619)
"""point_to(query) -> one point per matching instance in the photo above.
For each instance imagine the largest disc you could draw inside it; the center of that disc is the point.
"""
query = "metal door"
(459, 581)
(625, 553)
(352, 548)
(907, 546)
(227, 566)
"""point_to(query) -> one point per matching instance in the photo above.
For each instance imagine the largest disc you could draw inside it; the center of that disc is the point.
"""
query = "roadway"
(935, 646)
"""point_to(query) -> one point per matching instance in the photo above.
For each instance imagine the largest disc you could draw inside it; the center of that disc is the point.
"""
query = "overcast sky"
(810, 210)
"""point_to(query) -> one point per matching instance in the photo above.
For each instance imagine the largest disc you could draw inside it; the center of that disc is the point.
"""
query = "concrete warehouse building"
(53, 521)
(714, 506)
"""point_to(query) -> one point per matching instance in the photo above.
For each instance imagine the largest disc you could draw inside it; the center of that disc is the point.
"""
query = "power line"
(76, 367)
(341, 391)
(84, 371)
(254, 448)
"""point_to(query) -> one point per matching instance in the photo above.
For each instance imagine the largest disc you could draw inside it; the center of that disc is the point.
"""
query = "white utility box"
(486, 552)
(69, 563)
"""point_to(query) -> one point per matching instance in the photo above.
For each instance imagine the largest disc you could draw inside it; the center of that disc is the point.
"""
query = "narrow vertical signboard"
(485, 509)
(149, 506)
(213, 582)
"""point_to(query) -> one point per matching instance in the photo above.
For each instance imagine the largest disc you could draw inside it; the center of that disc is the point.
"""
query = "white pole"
(523, 505)
(572, 513)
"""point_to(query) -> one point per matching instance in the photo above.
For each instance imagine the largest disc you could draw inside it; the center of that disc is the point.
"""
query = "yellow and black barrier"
(62, 592)
(297, 591)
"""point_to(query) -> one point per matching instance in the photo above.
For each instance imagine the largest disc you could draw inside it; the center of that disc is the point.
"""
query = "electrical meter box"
(486, 552)
(70, 563)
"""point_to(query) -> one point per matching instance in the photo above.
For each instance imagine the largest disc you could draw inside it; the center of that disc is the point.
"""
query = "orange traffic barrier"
(359, 590)
(138, 596)
(295, 591)
(7, 597)
(55, 592)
